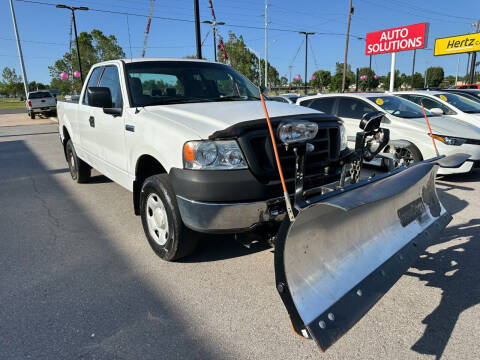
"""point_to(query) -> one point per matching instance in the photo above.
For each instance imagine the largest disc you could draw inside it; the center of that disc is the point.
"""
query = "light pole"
(214, 24)
(72, 9)
(306, 55)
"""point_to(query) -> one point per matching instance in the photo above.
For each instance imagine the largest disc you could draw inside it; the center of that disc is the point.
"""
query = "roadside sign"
(457, 44)
(409, 37)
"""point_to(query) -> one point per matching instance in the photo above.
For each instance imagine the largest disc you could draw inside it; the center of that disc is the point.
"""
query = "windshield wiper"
(235, 97)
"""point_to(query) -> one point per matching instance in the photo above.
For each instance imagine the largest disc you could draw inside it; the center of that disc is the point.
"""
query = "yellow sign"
(379, 101)
(457, 44)
(443, 97)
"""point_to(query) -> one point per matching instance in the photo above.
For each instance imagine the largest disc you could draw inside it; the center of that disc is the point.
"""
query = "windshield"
(460, 102)
(399, 107)
(39, 95)
(178, 82)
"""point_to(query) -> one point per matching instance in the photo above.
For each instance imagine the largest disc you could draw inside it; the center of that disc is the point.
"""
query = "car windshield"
(178, 82)
(399, 107)
(39, 95)
(460, 102)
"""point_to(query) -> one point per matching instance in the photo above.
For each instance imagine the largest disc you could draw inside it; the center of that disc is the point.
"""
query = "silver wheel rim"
(73, 164)
(157, 220)
(403, 157)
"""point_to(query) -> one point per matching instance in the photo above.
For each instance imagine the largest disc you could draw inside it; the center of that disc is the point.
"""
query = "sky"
(44, 30)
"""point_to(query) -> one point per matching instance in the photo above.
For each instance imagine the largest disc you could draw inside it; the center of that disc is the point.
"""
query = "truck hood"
(208, 117)
(442, 125)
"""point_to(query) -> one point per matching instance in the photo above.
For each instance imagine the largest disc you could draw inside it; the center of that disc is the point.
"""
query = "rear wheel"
(161, 220)
(79, 169)
(31, 114)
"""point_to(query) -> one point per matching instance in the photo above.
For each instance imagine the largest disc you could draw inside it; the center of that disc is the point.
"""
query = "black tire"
(178, 241)
(406, 155)
(32, 115)
(79, 169)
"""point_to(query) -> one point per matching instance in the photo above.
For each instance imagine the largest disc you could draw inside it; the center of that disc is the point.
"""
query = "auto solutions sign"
(457, 44)
(409, 37)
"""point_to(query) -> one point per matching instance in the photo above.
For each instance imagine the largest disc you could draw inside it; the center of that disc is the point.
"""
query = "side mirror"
(436, 111)
(263, 89)
(99, 97)
(371, 121)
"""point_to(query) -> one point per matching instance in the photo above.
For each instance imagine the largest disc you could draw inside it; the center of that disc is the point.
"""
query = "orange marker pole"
(277, 158)
(430, 129)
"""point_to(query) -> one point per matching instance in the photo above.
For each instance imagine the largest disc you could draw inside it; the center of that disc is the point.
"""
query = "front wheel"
(405, 155)
(161, 220)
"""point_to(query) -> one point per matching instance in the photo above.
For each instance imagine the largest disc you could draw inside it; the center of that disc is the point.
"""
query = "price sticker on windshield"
(379, 101)
(443, 97)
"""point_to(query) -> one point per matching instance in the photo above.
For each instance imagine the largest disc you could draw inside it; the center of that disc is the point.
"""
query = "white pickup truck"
(189, 139)
(40, 102)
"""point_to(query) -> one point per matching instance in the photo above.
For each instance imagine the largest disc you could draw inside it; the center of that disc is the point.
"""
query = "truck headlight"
(343, 138)
(450, 140)
(213, 155)
(295, 131)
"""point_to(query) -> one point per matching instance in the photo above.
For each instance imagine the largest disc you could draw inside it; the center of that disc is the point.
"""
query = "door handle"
(91, 120)
(130, 128)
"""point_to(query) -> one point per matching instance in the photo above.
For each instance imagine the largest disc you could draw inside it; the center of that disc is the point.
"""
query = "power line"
(192, 21)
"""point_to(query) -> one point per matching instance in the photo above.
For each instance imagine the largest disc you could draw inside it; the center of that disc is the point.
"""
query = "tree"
(94, 47)
(336, 82)
(322, 79)
(434, 76)
(418, 80)
(397, 80)
(246, 62)
(12, 83)
(449, 80)
(283, 81)
(371, 82)
(350, 74)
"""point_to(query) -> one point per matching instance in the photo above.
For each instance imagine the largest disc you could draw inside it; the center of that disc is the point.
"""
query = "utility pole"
(306, 56)
(290, 80)
(197, 29)
(350, 13)
(266, 43)
(72, 9)
(474, 57)
(458, 65)
(214, 24)
(413, 65)
(19, 47)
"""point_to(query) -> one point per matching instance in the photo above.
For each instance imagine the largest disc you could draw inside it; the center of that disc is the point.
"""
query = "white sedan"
(409, 137)
(442, 102)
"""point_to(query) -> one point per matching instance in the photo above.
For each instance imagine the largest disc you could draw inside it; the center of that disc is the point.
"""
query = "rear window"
(39, 95)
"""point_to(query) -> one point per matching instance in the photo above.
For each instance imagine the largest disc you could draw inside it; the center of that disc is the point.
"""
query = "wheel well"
(146, 166)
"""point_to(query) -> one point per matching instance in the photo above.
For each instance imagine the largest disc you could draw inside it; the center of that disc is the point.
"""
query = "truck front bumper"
(216, 217)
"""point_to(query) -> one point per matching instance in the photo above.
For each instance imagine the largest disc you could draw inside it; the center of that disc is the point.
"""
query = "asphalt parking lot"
(79, 281)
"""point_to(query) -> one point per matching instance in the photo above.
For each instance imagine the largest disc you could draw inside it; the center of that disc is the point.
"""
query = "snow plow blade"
(347, 248)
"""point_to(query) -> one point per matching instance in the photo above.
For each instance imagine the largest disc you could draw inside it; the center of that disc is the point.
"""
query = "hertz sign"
(457, 44)
(409, 37)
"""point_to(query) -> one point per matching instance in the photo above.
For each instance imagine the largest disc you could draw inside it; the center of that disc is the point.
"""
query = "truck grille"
(257, 146)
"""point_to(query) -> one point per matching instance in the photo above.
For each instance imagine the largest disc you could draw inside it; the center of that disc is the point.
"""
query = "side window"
(111, 80)
(431, 103)
(353, 108)
(93, 81)
(323, 105)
